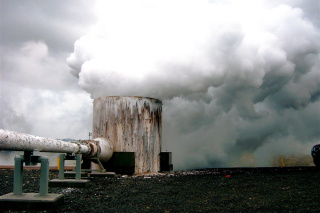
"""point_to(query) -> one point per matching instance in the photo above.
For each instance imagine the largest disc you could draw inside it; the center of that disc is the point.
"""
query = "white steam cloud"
(237, 79)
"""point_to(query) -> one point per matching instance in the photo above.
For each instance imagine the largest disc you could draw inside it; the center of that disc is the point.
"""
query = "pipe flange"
(79, 146)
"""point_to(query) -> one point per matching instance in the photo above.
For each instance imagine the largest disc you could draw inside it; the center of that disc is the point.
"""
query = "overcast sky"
(239, 80)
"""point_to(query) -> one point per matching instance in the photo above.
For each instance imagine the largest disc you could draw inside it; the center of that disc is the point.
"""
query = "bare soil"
(289, 189)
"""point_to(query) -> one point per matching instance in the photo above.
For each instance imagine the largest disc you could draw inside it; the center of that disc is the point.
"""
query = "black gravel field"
(291, 189)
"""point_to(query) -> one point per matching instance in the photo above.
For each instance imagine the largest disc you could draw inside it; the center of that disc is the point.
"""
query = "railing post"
(78, 166)
(44, 176)
(61, 166)
(17, 179)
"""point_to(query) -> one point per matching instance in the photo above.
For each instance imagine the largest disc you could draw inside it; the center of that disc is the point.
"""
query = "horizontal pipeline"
(14, 141)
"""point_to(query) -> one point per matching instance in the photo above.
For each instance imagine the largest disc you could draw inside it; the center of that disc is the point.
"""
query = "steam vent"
(134, 127)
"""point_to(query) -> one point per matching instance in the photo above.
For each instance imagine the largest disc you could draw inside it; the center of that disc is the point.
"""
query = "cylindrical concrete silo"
(133, 124)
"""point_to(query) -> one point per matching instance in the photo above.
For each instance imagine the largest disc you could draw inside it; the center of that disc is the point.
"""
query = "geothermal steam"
(240, 82)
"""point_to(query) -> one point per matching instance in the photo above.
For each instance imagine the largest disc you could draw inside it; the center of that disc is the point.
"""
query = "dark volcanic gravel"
(294, 189)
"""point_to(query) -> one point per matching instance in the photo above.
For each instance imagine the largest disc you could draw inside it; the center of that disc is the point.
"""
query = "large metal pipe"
(15, 141)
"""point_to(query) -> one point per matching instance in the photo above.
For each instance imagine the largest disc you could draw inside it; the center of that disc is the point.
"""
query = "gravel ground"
(291, 189)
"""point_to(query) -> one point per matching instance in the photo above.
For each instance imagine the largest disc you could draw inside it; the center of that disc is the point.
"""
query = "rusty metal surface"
(133, 124)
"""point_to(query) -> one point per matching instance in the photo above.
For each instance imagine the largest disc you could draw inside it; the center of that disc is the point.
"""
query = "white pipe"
(15, 141)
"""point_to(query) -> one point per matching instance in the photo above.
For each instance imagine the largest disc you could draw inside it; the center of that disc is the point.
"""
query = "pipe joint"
(105, 149)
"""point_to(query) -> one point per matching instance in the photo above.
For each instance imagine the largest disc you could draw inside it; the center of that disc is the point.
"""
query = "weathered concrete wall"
(133, 124)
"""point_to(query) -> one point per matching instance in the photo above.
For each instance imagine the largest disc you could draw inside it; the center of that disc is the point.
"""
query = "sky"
(239, 80)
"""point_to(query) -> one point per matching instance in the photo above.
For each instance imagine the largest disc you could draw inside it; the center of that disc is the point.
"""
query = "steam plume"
(237, 79)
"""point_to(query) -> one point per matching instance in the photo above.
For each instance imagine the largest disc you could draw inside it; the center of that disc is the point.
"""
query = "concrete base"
(102, 174)
(73, 174)
(30, 201)
(70, 183)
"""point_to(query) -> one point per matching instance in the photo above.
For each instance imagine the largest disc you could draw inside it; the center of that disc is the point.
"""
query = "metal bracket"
(100, 164)
(30, 159)
(63, 157)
